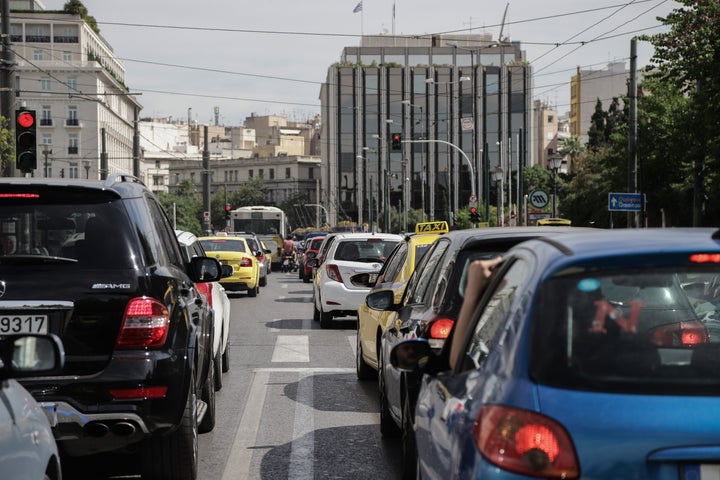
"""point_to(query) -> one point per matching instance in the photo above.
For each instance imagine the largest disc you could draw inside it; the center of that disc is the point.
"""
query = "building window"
(46, 139)
(287, 173)
(551, 119)
(46, 116)
(45, 85)
(73, 144)
(67, 57)
(261, 173)
(272, 174)
(192, 177)
(158, 180)
(74, 171)
(72, 84)
(311, 173)
(37, 55)
(72, 118)
(250, 173)
(177, 179)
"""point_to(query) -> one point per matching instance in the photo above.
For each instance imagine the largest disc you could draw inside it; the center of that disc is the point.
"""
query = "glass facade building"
(461, 107)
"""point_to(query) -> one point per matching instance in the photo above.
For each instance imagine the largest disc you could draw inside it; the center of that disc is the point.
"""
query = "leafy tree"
(76, 7)
(572, 147)
(598, 124)
(7, 147)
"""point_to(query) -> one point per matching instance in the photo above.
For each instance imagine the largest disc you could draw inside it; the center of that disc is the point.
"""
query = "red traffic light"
(396, 137)
(473, 210)
(25, 119)
(227, 207)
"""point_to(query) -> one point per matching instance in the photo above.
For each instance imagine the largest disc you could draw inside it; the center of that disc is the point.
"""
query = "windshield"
(626, 330)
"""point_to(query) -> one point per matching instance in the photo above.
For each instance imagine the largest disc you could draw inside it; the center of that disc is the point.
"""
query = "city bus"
(270, 224)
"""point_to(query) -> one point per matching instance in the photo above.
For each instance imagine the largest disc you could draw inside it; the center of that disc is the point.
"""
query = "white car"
(219, 302)
(339, 288)
(27, 445)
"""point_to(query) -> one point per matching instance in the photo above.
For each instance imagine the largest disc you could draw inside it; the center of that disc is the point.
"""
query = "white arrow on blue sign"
(625, 202)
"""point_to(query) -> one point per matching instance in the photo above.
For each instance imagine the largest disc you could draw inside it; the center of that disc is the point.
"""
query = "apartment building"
(69, 75)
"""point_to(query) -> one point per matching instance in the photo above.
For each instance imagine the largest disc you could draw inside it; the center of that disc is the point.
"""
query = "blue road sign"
(625, 202)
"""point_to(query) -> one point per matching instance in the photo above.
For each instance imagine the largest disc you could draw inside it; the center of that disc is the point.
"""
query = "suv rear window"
(87, 233)
(629, 330)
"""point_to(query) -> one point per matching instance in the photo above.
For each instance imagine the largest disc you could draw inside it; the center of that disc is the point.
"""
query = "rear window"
(420, 251)
(49, 228)
(629, 331)
(371, 250)
(223, 245)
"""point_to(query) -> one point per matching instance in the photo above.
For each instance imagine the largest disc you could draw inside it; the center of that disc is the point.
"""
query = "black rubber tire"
(174, 455)
(218, 371)
(208, 396)
(362, 369)
(306, 278)
(388, 427)
(316, 313)
(409, 447)
(253, 291)
(226, 359)
(263, 281)
(325, 319)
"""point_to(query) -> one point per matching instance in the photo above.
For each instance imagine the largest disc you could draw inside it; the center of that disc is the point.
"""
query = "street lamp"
(497, 176)
(555, 162)
(86, 165)
(406, 194)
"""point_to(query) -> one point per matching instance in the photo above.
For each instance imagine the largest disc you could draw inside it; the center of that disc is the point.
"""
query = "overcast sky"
(270, 56)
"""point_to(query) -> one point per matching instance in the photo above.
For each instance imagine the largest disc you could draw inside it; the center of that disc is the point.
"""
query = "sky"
(269, 57)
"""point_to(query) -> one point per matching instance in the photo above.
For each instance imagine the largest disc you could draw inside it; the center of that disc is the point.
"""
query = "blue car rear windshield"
(629, 331)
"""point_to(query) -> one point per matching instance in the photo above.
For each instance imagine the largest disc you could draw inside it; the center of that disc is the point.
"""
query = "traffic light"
(474, 215)
(227, 211)
(25, 140)
(396, 141)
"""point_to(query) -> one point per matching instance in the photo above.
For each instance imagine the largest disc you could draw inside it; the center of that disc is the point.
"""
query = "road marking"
(238, 464)
(353, 344)
(291, 348)
(305, 370)
(302, 452)
(273, 329)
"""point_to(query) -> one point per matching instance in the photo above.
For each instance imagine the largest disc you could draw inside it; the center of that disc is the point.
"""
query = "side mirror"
(267, 251)
(258, 253)
(30, 355)
(381, 300)
(410, 355)
(204, 269)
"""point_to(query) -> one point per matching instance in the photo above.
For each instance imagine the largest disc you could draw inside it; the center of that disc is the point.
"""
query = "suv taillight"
(438, 330)
(145, 324)
(206, 290)
(525, 442)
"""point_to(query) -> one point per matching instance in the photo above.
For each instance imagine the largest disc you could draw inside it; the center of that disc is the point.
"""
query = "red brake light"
(145, 324)
(525, 442)
(19, 195)
(441, 327)
(681, 334)
(142, 392)
(246, 262)
(705, 258)
(333, 273)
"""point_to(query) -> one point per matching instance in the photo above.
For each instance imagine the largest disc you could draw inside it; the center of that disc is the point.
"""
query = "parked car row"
(104, 324)
(582, 340)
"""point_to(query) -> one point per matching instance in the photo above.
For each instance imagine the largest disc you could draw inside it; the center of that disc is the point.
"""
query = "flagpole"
(362, 28)
(393, 20)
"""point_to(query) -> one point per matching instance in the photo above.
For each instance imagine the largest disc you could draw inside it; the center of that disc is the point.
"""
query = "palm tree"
(572, 147)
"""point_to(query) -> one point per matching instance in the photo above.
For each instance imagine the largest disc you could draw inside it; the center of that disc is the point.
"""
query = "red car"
(310, 253)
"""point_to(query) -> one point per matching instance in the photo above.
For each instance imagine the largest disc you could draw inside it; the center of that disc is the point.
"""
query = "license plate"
(19, 324)
(701, 472)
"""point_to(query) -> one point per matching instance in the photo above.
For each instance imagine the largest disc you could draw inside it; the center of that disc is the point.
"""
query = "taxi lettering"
(432, 227)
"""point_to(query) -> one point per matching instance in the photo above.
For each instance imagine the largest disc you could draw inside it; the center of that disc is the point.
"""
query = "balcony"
(37, 38)
(65, 39)
(46, 122)
(72, 150)
(72, 122)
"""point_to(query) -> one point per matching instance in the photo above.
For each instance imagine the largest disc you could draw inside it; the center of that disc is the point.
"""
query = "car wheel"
(252, 292)
(325, 319)
(263, 281)
(316, 313)
(409, 448)
(363, 370)
(306, 278)
(217, 367)
(208, 396)
(388, 427)
(174, 455)
(226, 359)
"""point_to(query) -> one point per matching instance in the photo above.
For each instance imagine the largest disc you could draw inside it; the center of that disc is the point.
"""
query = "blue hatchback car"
(589, 356)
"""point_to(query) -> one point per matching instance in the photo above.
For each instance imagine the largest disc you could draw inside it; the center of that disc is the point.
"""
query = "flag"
(358, 7)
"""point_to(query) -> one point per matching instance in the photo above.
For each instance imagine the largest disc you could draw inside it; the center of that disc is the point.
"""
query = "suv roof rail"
(122, 177)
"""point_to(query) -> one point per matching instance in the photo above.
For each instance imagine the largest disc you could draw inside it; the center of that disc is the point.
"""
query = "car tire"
(306, 278)
(208, 396)
(388, 427)
(325, 319)
(363, 370)
(226, 359)
(174, 455)
(252, 292)
(316, 313)
(263, 281)
(217, 367)
(409, 447)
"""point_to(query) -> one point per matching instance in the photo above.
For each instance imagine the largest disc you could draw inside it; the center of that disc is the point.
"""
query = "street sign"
(467, 124)
(472, 201)
(625, 202)
(206, 214)
(538, 198)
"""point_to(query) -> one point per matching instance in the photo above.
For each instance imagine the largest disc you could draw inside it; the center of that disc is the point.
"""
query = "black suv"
(97, 263)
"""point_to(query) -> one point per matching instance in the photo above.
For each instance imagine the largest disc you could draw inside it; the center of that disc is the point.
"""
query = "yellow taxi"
(394, 275)
(236, 252)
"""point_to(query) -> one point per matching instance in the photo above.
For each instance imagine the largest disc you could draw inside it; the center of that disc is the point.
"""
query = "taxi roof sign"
(432, 227)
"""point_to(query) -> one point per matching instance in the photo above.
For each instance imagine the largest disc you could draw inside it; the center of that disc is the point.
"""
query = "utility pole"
(206, 179)
(7, 64)
(632, 134)
(136, 142)
(103, 156)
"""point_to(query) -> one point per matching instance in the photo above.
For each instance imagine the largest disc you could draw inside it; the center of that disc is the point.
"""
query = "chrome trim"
(34, 304)
(63, 413)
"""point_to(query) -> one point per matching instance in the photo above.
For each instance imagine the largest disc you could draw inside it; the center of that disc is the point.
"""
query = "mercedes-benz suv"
(97, 263)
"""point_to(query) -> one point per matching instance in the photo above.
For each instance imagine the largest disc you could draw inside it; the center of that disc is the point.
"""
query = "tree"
(598, 124)
(76, 7)
(7, 147)
(572, 147)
